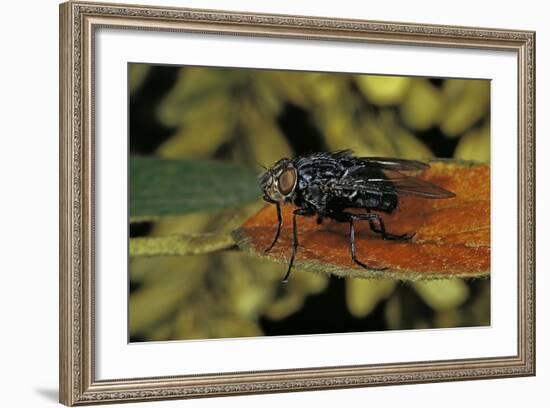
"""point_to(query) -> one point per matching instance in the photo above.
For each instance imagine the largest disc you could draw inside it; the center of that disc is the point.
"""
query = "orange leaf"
(452, 235)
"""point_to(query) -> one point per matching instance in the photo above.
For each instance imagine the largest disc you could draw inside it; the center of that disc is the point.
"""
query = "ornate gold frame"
(78, 22)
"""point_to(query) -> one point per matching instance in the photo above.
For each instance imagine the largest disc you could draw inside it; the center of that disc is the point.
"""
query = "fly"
(329, 185)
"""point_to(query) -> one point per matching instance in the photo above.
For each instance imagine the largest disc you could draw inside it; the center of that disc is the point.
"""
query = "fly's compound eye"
(287, 181)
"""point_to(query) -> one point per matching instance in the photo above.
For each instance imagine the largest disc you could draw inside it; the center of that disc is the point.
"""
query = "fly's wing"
(408, 185)
(413, 186)
(390, 163)
(385, 174)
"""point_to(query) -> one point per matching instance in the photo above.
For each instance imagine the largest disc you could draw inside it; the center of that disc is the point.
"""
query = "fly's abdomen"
(386, 201)
(389, 202)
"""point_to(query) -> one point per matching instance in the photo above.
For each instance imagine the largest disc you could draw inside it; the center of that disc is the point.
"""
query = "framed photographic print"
(261, 203)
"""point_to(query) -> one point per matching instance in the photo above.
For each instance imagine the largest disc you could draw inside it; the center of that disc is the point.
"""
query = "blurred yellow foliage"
(466, 103)
(384, 90)
(363, 295)
(136, 76)
(475, 145)
(422, 107)
(442, 295)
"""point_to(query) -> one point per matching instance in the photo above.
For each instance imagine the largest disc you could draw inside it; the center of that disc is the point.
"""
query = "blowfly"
(329, 185)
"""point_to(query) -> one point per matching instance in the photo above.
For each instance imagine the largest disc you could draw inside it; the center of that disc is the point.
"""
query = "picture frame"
(79, 24)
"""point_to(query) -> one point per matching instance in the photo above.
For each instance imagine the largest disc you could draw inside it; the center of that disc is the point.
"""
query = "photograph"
(268, 202)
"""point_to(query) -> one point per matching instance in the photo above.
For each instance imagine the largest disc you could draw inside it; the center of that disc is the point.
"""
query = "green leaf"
(166, 187)
(192, 244)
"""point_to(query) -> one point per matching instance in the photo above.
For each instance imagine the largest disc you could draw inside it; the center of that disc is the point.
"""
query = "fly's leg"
(294, 240)
(280, 222)
(294, 247)
(381, 229)
(359, 217)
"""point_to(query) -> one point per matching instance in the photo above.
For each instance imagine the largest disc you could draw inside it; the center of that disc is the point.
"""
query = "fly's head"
(279, 182)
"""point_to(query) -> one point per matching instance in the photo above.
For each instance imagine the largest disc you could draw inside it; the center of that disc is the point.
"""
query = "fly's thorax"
(279, 182)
